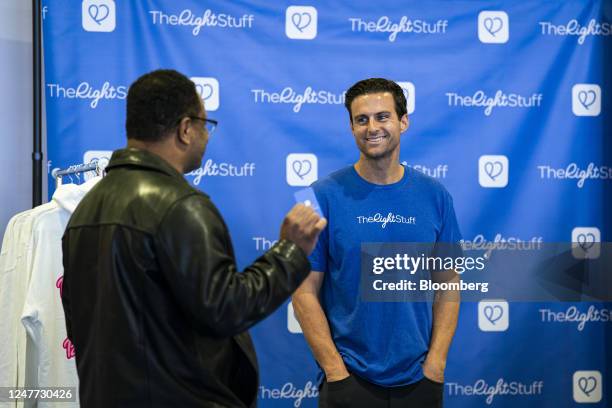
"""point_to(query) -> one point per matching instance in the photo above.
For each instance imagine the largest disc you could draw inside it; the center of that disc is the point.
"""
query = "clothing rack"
(74, 169)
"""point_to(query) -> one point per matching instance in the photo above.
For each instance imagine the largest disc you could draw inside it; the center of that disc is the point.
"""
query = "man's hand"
(302, 226)
(433, 368)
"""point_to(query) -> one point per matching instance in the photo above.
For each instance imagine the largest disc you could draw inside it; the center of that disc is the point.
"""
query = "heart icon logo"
(205, 91)
(586, 241)
(493, 169)
(301, 167)
(587, 98)
(301, 20)
(493, 25)
(102, 162)
(95, 12)
(587, 385)
(493, 313)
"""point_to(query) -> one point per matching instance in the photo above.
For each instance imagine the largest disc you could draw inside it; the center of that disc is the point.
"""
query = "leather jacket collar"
(134, 157)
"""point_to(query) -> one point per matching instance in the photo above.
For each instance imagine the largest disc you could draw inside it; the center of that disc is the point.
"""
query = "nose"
(372, 125)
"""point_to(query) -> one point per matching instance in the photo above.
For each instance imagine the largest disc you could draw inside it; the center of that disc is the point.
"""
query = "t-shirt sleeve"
(318, 257)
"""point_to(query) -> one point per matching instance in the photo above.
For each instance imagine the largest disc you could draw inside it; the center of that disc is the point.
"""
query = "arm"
(196, 259)
(445, 315)
(315, 326)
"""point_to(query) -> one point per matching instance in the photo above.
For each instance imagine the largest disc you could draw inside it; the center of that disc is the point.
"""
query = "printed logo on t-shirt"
(383, 220)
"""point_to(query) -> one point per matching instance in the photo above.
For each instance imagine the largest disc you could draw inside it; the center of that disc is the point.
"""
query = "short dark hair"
(376, 85)
(157, 101)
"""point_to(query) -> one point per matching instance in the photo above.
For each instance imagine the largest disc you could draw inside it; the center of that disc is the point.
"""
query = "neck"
(387, 170)
(160, 149)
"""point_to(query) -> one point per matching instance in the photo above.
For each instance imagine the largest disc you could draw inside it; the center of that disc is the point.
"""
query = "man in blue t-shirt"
(376, 353)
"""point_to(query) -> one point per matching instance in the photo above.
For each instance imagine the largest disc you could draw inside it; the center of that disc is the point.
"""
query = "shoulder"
(425, 181)
(429, 188)
(193, 209)
(332, 181)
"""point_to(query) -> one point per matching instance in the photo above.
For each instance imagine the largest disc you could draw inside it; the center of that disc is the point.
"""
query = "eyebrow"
(373, 114)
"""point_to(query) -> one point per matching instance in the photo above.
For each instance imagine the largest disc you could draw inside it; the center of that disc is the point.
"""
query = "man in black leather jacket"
(154, 304)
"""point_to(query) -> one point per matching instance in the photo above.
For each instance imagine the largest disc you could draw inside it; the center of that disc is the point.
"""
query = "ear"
(350, 120)
(404, 123)
(182, 131)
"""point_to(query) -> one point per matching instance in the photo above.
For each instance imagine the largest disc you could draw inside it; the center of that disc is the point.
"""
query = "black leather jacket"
(154, 305)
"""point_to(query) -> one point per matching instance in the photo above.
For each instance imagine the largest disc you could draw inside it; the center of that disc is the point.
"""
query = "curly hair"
(157, 101)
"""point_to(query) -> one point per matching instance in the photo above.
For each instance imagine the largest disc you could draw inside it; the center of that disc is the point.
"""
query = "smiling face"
(376, 126)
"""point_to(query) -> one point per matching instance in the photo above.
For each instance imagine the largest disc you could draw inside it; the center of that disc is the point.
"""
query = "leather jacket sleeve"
(196, 257)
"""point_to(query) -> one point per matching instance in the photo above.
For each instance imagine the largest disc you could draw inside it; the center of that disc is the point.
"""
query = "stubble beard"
(385, 154)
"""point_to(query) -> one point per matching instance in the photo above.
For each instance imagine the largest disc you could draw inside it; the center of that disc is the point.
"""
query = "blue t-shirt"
(382, 342)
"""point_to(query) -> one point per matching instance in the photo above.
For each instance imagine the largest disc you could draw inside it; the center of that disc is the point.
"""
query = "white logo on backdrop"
(574, 172)
(302, 169)
(501, 388)
(587, 386)
(292, 97)
(499, 242)
(87, 91)
(573, 27)
(586, 242)
(437, 171)
(207, 18)
(586, 100)
(493, 315)
(100, 157)
(291, 392)
(575, 315)
(208, 89)
(500, 100)
(405, 25)
(222, 169)
(493, 171)
(410, 94)
(98, 15)
(263, 243)
(301, 22)
(493, 27)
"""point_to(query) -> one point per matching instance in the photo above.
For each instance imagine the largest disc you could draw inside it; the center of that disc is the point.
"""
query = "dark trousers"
(355, 392)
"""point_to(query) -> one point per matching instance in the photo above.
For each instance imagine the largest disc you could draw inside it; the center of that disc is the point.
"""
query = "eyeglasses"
(209, 124)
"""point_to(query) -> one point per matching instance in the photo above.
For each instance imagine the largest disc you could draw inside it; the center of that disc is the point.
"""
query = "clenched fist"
(302, 225)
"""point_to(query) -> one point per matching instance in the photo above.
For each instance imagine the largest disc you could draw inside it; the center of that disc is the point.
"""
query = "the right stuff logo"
(301, 22)
(490, 391)
(208, 89)
(586, 100)
(587, 386)
(493, 27)
(98, 15)
(586, 242)
(493, 315)
(301, 169)
(493, 171)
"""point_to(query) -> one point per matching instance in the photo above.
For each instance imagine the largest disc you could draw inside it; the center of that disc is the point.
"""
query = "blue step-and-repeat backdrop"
(509, 104)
